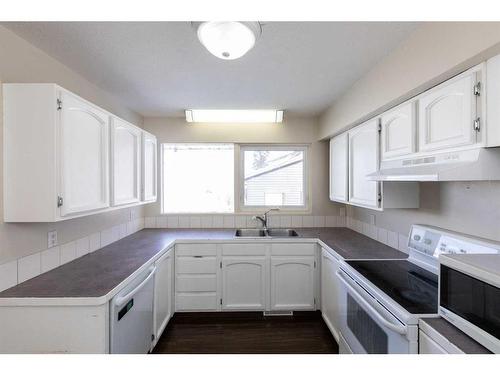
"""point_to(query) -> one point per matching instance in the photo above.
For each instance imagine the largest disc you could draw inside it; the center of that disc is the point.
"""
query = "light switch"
(52, 239)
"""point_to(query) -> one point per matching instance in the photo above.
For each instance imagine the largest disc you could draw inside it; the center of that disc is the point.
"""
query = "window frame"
(240, 177)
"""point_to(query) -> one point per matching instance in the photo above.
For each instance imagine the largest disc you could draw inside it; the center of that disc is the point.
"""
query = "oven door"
(366, 326)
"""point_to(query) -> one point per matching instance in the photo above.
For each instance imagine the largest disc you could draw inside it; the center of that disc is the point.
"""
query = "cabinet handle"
(198, 256)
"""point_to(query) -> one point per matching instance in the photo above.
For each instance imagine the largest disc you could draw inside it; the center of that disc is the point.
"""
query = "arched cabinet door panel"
(244, 283)
(84, 156)
(292, 283)
(398, 131)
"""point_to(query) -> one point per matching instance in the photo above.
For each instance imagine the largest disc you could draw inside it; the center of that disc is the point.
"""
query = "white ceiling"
(160, 68)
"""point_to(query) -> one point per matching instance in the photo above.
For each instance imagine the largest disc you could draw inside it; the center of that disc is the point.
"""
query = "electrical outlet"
(52, 238)
(342, 211)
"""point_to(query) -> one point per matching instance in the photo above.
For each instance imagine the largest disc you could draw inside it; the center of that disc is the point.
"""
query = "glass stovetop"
(411, 286)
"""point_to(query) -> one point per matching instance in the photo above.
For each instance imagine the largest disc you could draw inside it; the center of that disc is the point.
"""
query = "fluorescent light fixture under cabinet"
(234, 115)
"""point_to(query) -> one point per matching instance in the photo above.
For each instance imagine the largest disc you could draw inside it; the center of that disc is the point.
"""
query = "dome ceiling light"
(228, 40)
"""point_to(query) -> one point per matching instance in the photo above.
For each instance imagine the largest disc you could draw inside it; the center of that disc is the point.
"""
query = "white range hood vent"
(466, 165)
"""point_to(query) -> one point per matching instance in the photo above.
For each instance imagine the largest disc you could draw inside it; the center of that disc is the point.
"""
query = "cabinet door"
(292, 283)
(149, 167)
(125, 151)
(244, 283)
(339, 146)
(363, 160)
(329, 292)
(163, 293)
(446, 114)
(83, 156)
(398, 131)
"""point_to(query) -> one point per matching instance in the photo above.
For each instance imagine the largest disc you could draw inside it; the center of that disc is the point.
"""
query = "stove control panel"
(433, 242)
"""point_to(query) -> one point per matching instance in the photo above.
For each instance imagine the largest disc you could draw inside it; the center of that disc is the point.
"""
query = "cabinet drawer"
(244, 249)
(196, 283)
(196, 265)
(196, 249)
(195, 301)
(293, 249)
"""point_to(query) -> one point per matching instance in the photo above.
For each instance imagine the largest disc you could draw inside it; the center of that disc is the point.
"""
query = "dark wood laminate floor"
(246, 333)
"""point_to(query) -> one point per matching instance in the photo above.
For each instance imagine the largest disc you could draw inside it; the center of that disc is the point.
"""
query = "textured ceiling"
(160, 68)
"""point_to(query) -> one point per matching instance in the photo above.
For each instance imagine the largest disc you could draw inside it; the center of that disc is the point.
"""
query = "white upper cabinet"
(363, 160)
(398, 131)
(149, 167)
(339, 147)
(126, 142)
(447, 113)
(83, 156)
(57, 155)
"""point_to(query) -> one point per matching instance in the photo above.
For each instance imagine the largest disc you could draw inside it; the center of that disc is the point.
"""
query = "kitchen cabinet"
(363, 160)
(196, 278)
(245, 283)
(339, 147)
(398, 131)
(163, 293)
(57, 155)
(426, 345)
(330, 292)
(292, 283)
(126, 142)
(149, 167)
(447, 113)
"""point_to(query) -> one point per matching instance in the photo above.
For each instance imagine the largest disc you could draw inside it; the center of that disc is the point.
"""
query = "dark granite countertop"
(98, 273)
(352, 245)
(456, 336)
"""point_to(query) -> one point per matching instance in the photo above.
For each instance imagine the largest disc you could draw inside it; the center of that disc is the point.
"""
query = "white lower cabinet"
(292, 283)
(196, 275)
(244, 283)
(163, 293)
(330, 292)
(426, 345)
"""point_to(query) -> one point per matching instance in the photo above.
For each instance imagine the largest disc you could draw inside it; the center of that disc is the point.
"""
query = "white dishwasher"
(131, 326)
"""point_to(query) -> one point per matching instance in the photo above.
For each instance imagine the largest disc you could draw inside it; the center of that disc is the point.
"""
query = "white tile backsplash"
(95, 241)
(68, 252)
(251, 222)
(228, 221)
(218, 221)
(403, 243)
(296, 221)
(122, 230)
(319, 221)
(183, 221)
(307, 221)
(150, 222)
(392, 239)
(50, 258)
(82, 247)
(8, 275)
(167, 222)
(285, 221)
(382, 235)
(240, 221)
(194, 222)
(273, 221)
(207, 221)
(28, 267)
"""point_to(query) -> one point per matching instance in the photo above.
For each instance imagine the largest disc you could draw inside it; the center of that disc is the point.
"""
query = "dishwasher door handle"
(120, 299)
(393, 327)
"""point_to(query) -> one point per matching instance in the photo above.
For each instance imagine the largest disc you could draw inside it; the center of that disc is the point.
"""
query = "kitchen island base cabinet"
(244, 283)
(292, 283)
(329, 292)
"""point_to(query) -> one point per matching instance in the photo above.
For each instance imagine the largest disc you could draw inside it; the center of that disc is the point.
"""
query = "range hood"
(466, 165)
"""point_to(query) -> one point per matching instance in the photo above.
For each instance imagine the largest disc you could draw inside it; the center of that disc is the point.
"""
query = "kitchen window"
(273, 176)
(198, 178)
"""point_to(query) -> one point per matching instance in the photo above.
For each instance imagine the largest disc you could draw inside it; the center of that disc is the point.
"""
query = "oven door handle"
(393, 327)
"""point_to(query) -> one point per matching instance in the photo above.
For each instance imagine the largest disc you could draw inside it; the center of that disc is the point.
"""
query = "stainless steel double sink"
(265, 233)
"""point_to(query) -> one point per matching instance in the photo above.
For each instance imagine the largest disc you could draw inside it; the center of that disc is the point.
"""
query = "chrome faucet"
(264, 217)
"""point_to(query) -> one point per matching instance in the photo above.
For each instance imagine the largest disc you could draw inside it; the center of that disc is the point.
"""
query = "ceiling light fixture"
(228, 40)
(234, 115)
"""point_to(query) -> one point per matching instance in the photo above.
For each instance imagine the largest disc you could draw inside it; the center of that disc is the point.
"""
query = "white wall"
(22, 62)
(434, 52)
(292, 130)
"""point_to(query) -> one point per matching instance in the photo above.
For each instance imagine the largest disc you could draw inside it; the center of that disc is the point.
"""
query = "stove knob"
(416, 237)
